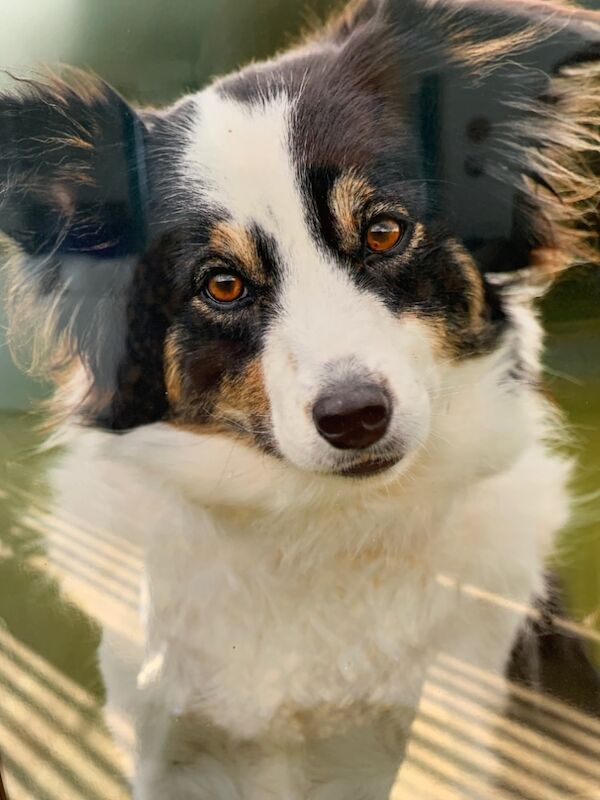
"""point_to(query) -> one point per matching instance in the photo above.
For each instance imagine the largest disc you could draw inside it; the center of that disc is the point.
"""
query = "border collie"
(290, 321)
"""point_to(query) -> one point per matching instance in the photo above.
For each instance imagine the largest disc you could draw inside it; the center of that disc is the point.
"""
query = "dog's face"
(279, 259)
(323, 299)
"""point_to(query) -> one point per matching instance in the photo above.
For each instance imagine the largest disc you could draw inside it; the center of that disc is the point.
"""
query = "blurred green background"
(153, 51)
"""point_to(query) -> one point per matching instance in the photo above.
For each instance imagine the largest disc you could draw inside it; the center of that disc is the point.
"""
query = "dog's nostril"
(353, 417)
(374, 416)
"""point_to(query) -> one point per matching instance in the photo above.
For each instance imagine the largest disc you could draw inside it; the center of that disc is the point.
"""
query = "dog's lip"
(371, 466)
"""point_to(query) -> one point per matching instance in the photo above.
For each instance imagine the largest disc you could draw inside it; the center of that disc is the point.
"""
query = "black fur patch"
(211, 350)
(551, 660)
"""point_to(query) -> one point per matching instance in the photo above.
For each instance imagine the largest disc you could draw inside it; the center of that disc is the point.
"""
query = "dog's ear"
(504, 98)
(74, 199)
(72, 168)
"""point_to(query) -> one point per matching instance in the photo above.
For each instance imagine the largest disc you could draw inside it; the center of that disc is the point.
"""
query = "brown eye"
(383, 233)
(225, 288)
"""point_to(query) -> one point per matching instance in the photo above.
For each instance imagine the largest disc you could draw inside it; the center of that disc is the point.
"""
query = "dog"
(291, 324)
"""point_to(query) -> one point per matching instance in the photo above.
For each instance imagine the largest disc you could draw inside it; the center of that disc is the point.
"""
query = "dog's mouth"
(368, 467)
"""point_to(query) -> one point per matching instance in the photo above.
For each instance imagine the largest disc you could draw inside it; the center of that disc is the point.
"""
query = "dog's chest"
(250, 644)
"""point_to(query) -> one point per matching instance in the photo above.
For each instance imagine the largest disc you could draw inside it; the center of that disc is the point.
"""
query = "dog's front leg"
(186, 758)
(208, 778)
(176, 762)
(158, 778)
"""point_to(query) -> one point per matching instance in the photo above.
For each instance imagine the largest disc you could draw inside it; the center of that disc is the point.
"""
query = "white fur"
(319, 596)
(291, 613)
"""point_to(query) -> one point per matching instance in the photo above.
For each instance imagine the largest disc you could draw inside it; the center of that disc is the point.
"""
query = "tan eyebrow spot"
(234, 242)
(349, 194)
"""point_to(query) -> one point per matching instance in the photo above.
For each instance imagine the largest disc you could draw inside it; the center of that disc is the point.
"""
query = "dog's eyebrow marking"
(253, 249)
(348, 196)
(235, 242)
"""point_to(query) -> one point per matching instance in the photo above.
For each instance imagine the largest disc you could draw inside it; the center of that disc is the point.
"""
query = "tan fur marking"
(548, 262)
(172, 374)
(470, 271)
(468, 48)
(245, 394)
(239, 401)
(349, 193)
(234, 242)
(417, 235)
(436, 330)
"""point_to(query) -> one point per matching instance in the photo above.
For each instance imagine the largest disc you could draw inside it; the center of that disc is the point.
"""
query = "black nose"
(353, 416)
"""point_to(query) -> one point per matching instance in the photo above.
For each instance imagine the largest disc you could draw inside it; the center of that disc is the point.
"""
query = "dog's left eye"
(225, 287)
(384, 233)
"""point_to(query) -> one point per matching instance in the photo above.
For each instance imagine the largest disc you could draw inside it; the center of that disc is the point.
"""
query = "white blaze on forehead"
(239, 157)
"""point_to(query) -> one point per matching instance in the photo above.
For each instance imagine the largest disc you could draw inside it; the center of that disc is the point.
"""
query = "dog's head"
(303, 258)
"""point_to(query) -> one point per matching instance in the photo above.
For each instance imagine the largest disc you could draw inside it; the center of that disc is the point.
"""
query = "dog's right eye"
(225, 288)
(384, 233)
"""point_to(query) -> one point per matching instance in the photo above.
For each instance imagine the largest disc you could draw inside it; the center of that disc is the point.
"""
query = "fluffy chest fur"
(250, 617)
